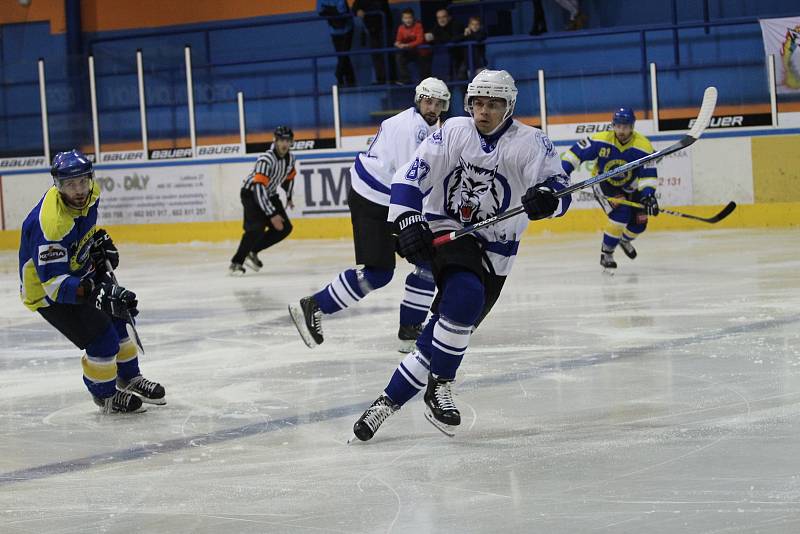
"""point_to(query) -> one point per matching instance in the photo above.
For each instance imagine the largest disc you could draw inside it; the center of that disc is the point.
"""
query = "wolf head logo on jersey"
(547, 144)
(474, 194)
(422, 133)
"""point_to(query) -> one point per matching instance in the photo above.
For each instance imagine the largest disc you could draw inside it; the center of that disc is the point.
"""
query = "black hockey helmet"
(284, 132)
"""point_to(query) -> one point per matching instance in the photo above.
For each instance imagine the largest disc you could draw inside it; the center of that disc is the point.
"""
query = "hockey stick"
(727, 210)
(700, 124)
(128, 318)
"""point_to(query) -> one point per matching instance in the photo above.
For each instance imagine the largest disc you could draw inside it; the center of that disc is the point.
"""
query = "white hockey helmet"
(433, 88)
(494, 84)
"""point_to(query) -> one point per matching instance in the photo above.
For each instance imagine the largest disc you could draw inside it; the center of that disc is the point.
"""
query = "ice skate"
(608, 263)
(236, 269)
(307, 318)
(439, 407)
(147, 390)
(627, 248)
(252, 262)
(120, 402)
(408, 335)
(372, 419)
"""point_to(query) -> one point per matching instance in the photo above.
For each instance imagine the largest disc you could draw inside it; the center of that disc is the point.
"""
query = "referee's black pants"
(255, 239)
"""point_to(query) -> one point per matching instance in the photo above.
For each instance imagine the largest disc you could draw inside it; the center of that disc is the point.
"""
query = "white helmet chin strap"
(499, 126)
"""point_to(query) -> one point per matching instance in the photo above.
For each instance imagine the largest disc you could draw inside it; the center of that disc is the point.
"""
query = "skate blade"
(157, 402)
(445, 429)
(609, 272)
(299, 321)
(250, 265)
(140, 409)
(407, 346)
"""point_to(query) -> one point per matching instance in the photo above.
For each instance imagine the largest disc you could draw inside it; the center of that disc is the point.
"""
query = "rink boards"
(198, 199)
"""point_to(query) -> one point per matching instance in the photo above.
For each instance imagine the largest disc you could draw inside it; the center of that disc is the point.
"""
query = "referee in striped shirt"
(262, 206)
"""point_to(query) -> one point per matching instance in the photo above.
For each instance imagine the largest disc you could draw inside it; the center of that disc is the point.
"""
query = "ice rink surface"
(664, 399)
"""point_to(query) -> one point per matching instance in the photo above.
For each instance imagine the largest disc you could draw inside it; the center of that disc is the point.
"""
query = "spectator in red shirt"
(410, 36)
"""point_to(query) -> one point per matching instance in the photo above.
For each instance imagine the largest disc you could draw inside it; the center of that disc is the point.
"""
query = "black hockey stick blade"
(727, 210)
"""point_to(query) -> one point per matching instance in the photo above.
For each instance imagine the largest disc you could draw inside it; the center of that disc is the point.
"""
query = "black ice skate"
(236, 269)
(627, 248)
(372, 419)
(439, 407)
(147, 390)
(120, 402)
(252, 261)
(607, 261)
(307, 318)
(408, 335)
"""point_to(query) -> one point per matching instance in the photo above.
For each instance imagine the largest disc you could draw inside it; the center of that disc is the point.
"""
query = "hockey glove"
(650, 205)
(114, 300)
(414, 237)
(103, 248)
(539, 202)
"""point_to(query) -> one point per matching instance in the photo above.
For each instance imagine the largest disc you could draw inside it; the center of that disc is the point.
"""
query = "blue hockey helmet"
(69, 165)
(623, 116)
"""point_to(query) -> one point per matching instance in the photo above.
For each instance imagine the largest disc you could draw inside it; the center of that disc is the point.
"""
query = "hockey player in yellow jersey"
(64, 276)
(609, 150)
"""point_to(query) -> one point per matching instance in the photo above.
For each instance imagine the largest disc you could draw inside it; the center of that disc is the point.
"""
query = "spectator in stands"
(539, 23)
(377, 19)
(341, 27)
(577, 20)
(475, 33)
(410, 36)
(447, 31)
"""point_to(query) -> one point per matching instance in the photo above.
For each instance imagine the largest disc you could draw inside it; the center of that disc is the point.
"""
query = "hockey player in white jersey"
(371, 180)
(466, 172)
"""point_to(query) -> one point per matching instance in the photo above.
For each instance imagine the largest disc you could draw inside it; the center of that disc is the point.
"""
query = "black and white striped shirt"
(270, 172)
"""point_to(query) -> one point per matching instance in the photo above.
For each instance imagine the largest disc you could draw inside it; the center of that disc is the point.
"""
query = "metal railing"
(319, 92)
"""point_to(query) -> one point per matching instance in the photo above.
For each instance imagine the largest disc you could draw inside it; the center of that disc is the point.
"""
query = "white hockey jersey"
(392, 147)
(457, 177)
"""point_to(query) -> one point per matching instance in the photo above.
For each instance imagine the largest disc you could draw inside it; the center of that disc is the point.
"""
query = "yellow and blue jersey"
(54, 249)
(605, 149)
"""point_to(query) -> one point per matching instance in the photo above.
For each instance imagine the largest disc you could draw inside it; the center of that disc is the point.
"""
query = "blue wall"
(585, 72)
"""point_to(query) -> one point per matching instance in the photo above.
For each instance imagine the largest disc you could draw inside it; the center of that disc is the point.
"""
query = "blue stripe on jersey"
(507, 249)
(407, 195)
(368, 179)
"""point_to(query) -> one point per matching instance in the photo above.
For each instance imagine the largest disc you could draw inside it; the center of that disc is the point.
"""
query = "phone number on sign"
(669, 180)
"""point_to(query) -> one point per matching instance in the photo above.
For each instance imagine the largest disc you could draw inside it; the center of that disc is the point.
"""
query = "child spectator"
(410, 36)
